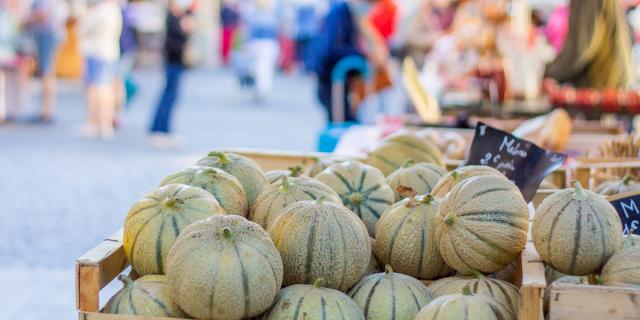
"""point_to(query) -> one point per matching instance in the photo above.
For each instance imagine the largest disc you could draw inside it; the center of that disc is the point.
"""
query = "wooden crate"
(579, 302)
(585, 169)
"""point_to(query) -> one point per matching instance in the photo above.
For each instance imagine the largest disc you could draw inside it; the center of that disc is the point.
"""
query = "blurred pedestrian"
(46, 23)
(100, 36)
(124, 86)
(262, 22)
(229, 18)
(179, 25)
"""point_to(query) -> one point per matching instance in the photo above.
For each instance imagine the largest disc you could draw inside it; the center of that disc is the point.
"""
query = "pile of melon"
(224, 240)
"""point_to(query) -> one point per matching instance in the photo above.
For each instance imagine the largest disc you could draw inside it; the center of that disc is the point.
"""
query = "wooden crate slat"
(107, 316)
(278, 160)
(579, 302)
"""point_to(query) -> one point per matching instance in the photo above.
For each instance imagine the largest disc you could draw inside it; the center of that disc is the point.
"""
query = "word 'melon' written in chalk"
(512, 148)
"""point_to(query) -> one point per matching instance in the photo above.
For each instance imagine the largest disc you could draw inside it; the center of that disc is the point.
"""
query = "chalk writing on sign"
(627, 206)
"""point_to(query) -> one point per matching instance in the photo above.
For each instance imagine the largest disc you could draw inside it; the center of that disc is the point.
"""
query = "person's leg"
(162, 119)
(266, 54)
(91, 126)
(47, 46)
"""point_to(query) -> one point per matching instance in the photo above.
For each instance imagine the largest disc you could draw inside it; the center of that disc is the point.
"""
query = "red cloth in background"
(383, 17)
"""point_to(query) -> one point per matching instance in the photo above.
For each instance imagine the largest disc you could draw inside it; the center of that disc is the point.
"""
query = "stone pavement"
(61, 194)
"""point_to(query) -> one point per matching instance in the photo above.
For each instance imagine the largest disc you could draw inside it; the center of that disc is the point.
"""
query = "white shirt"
(100, 31)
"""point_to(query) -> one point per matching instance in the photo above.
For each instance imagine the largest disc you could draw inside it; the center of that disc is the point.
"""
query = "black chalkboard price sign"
(521, 161)
(627, 205)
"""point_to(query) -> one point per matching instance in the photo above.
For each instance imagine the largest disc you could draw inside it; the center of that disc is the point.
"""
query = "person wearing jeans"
(179, 24)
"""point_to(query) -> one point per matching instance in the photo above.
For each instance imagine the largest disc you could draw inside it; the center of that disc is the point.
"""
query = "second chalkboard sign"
(521, 161)
(627, 206)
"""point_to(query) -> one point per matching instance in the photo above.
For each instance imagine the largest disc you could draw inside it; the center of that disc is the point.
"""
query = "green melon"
(225, 268)
(147, 296)
(465, 306)
(321, 239)
(405, 239)
(313, 302)
(274, 176)
(390, 295)
(420, 177)
(447, 182)
(153, 223)
(276, 197)
(623, 268)
(500, 291)
(362, 189)
(627, 184)
(394, 150)
(575, 231)
(482, 224)
(246, 170)
(223, 186)
(631, 240)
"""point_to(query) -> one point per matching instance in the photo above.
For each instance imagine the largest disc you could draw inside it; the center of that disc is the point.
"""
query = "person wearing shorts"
(100, 36)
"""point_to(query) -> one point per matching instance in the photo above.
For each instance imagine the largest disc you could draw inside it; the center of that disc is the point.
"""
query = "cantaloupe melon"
(153, 223)
(390, 295)
(465, 306)
(313, 302)
(482, 224)
(274, 176)
(575, 231)
(224, 268)
(147, 296)
(277, 196)
(405, 238)
(623, 268)
(362, 189)
(321, 239)
(420, 177)
(630, 240)
(447, 182)
(245, 169)
(501, 291)
(627, 184)
(395, 149)
(223, 186)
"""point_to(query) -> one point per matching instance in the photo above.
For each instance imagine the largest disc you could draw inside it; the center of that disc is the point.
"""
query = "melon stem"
(578, 193)
(356, 198)
(126, 280)
(408, 163)
(207, 172)
(286, 185)
(295, 171)
(319, 283)
(170, 202)
(477, 274)
(388, 269)
(454, 175)
(466, 291)
(595, 279)
(626, 180)
(449, 220)
(222, 158)
(427, 199)
(226, 233)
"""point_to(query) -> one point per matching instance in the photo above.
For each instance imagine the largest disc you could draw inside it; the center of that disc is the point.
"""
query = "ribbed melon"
(313, 302)
(465, 306)
(153, 223)
(274, 176)
(631, 240)
(390, 295)
(246, 170)
(147, 296)
(321, 239)
(420, 177)
(405, 238)
(447, 182)
(482, 224)
(575, 231)
(395, 149)
(623, 268)
(501, 291)
(223, 186)
(277, 196)
(362, 189)
(627, 184)
(225, 268)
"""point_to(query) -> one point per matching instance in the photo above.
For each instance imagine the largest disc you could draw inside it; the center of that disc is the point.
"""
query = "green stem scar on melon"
(295, 171)
(356, 198)
(427, 199)
(466, 291)
(319, 283)
(126, 280)
(227, 234)
(388, 269)
(579, 193)
(408, 163)
(454, 175)
(286, 185)
(477, 274)
(222, 158)
(449, 220)
(171, 202)
(207, 172)
(626, 180)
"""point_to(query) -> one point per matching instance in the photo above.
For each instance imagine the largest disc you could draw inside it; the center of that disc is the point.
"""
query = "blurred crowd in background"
(465, 50)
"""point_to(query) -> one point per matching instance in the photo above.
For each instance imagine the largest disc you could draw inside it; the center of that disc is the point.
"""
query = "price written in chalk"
(627, 206)
(520, 160)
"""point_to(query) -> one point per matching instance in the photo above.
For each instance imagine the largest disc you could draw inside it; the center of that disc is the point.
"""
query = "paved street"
(61, 194)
